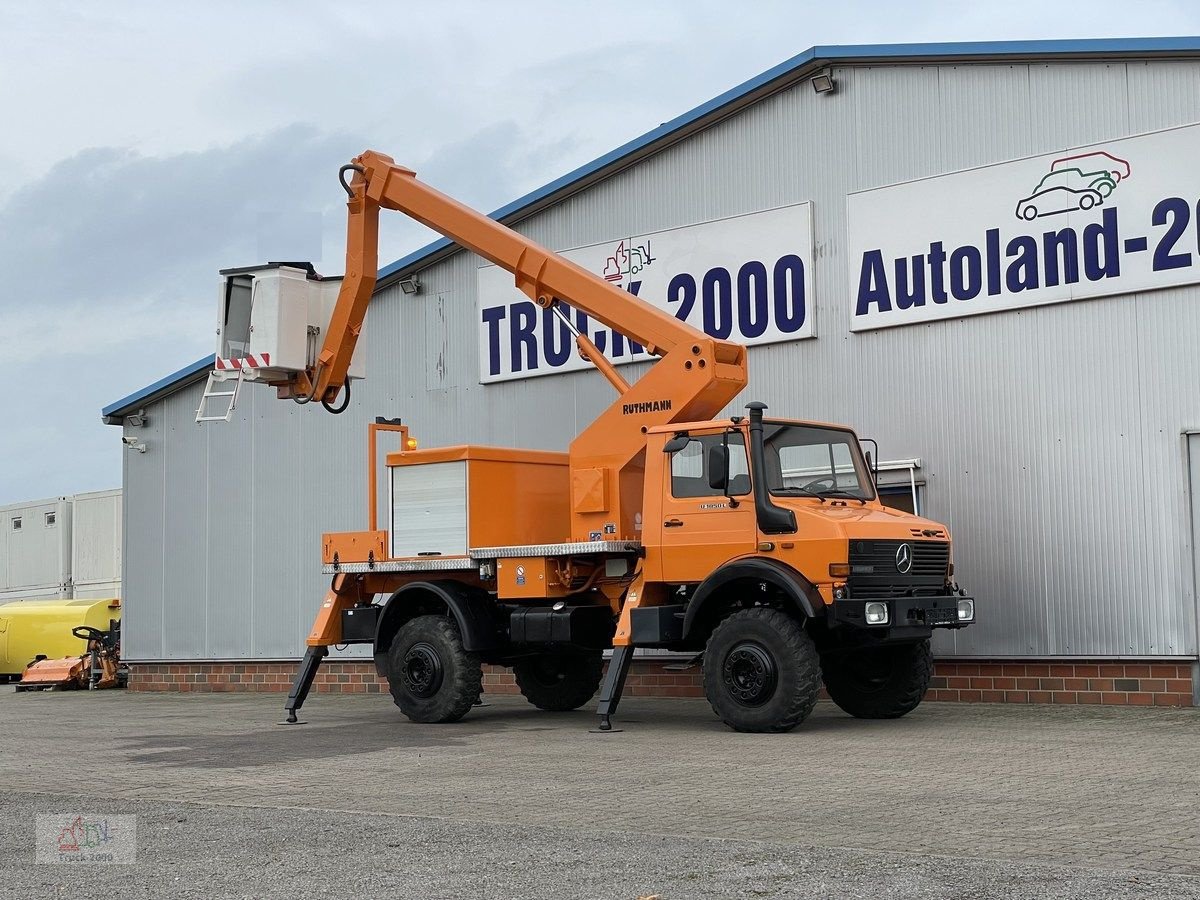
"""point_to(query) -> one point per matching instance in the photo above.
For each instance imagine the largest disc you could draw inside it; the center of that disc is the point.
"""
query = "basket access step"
(218, 405)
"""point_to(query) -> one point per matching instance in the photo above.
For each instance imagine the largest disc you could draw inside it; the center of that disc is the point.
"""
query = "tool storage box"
(448, 500)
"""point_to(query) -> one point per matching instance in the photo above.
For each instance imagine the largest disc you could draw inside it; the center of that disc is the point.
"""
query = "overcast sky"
(147, 145)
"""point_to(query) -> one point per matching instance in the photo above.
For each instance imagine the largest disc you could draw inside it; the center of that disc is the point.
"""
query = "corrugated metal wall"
(1050, 437)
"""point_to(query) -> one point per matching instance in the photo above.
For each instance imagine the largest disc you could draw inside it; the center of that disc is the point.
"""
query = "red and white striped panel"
(250, 361)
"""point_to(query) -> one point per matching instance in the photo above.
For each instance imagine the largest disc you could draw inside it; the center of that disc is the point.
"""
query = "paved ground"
(952, 801)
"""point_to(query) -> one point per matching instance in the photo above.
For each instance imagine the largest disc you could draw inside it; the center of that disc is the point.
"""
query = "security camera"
(134, 444)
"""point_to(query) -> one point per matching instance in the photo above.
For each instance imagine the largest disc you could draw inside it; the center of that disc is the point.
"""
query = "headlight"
(877, 613)
(966, 609)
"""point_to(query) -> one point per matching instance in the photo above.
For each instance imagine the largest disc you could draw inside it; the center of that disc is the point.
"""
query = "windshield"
(810, 460)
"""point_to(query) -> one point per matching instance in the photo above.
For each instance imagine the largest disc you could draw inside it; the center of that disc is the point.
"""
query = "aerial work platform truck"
(757, 544)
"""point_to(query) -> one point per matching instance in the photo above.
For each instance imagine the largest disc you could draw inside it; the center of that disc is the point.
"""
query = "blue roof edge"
(810, 57)
(127, 404)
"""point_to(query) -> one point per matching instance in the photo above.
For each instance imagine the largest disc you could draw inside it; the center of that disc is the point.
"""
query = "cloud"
(110, 223)
(110, 263)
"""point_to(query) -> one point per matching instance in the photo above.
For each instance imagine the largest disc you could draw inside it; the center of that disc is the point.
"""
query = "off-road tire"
(431, 677)
(880, 683)
(560, 680)
(761, 671)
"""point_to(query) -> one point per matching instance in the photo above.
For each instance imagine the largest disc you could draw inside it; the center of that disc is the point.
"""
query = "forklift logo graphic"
(626, 261)
(80, 835)
(1082, 181)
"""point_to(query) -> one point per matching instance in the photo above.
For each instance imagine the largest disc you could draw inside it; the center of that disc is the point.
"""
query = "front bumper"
(908, 617)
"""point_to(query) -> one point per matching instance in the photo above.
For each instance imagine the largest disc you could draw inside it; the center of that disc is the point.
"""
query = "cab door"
(700, 528)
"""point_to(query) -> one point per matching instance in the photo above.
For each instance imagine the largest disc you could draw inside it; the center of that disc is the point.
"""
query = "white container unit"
(96, 544)
(35, 549)
(62, 548)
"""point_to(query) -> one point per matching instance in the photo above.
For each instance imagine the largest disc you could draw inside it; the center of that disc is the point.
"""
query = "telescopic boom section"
(696, 377)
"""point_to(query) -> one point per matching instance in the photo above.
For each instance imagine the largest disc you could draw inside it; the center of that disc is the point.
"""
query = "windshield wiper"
(841, 495)
(798, 490)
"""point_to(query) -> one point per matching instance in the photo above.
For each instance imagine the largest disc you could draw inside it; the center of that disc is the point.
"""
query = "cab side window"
(689, 467)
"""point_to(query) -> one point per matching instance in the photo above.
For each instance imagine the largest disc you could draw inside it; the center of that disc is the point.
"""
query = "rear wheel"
(761, 671)
(880, 683)
(560, 680)
(431, 677)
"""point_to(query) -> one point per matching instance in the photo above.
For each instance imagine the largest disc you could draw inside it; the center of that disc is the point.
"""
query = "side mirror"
(872, 466)
(718, 468)
(677, 443)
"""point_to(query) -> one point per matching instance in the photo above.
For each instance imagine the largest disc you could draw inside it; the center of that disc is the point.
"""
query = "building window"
(901, 486)
(51, 518)
(901, 498)
(16, 522)
(689, 467)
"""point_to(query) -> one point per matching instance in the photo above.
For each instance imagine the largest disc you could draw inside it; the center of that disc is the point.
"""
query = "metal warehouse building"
(983, 256)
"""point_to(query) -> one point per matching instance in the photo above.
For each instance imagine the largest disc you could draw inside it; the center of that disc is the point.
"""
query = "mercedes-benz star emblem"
(904, 559)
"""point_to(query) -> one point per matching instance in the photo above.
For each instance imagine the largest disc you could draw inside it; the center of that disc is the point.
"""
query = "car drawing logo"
(904, 559)
(1082, 181)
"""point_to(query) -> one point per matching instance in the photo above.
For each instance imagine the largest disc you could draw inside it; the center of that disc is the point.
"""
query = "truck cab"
(776, 558)
(800, 494)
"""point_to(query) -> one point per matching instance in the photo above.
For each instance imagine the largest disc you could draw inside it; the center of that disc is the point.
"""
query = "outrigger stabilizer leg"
(614, 684)
(303, 681)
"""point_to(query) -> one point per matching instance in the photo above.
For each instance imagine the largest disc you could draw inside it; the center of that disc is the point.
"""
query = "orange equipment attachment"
(99, 667)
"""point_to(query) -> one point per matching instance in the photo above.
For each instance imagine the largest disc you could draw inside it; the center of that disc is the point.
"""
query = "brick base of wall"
(1094, 682)
(1087, 681)
(646, 678)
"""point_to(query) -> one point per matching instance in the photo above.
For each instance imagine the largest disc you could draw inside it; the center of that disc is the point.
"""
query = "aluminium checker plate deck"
(483, 554)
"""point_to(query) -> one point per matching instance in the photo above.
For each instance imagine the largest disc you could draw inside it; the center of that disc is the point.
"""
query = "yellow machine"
(30, 629)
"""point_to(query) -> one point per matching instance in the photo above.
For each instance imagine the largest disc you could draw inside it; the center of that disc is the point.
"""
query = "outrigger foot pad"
(614, 684)
(303, 682)
(605, 727)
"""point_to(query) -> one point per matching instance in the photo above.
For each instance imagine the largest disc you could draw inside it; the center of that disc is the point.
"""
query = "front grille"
(874, 570)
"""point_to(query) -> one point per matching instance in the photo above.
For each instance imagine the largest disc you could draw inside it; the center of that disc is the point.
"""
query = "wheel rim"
(750, 674)
(422, 670)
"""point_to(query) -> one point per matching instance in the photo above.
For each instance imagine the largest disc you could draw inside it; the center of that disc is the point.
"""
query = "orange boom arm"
(696, 377)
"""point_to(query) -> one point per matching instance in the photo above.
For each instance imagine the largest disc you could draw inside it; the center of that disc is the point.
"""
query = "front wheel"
(431, 677)
(881, 682)
(560, 680)
(761, 671)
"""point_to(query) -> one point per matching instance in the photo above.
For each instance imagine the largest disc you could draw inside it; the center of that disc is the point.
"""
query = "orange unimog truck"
(757, 541)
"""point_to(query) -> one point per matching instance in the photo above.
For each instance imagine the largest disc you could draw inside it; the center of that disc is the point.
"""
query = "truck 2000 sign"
(746, 278)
